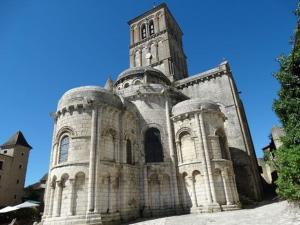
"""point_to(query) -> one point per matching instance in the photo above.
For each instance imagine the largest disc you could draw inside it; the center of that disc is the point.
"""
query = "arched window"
(137, 82)
(151, 27)
(63, 149)
(143, 31)
(128, 152)
(187, 147)
(223, 144)
(109, 142)
(126, 85)
(153, 146)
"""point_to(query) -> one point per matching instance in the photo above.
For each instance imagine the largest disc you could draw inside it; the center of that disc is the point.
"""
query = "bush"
(287, 107)
(288, 182)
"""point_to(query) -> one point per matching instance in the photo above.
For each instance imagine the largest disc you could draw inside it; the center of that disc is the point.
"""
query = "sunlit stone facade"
(154, 142)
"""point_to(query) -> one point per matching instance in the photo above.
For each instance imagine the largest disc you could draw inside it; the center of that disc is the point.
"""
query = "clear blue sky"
(48, 47)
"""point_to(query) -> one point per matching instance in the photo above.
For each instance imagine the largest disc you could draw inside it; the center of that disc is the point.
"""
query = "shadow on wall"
(244, 174)
(269, 189)
(185, 193)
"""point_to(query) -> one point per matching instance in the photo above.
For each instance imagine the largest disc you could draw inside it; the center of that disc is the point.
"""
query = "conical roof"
(17, 139)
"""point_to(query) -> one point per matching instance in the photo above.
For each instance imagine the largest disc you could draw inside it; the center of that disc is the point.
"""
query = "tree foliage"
(287, 107)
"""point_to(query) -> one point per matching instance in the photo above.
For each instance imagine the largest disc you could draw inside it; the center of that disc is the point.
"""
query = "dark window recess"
(15, 196)
(151, 27)
(18, 181)
(5, 152)
(20, 166)
(143, 31)
(1, 165)
(128, 152)
(153, 146)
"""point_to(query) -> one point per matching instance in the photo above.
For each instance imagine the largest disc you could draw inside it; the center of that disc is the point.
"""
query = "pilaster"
(72, 197)
(228, 195)
(207, 156)
(59, 185)
(173, 155)
(92, 162)
(204, 159)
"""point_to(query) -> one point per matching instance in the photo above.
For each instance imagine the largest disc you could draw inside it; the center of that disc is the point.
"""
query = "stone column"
(206, 150)
(115, 144)
(163, 21)
(160, 182)
(147, 29)
(51, 199)
(121, 144)
(109, 194)
(131, 35)
(194, 197)
(72, 196)
(146, 189)
(235, 194)
(97, 161)
(59, 185)
(172, 152)
(132, 59)
(140, 57)
(204, 168)
(184, 194)
(137, 32)
(226, 186)
(92, 162)
(119, 196)
(124, 151)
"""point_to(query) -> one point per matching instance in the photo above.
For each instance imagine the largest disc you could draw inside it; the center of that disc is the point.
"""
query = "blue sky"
(48, 47)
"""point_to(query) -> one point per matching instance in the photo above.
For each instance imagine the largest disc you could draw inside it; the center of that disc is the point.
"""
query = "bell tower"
(156, 41)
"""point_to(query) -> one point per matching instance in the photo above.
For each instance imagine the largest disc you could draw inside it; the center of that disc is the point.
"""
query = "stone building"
(36, 191)
(267, 164)
(154, 142)
(13, 165)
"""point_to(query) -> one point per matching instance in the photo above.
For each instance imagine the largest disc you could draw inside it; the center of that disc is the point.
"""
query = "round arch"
(153, 146)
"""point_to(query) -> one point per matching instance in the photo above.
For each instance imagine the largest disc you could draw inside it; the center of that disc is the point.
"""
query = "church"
(155, 142)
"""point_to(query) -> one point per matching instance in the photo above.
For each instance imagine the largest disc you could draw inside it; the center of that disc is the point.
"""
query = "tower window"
(143, 31)
(1, 165)
(128, 152)
(153, 146)
(63, 149)
(151, 27)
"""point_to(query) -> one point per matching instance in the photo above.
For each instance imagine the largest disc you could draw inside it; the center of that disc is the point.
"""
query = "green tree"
(287, 107)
